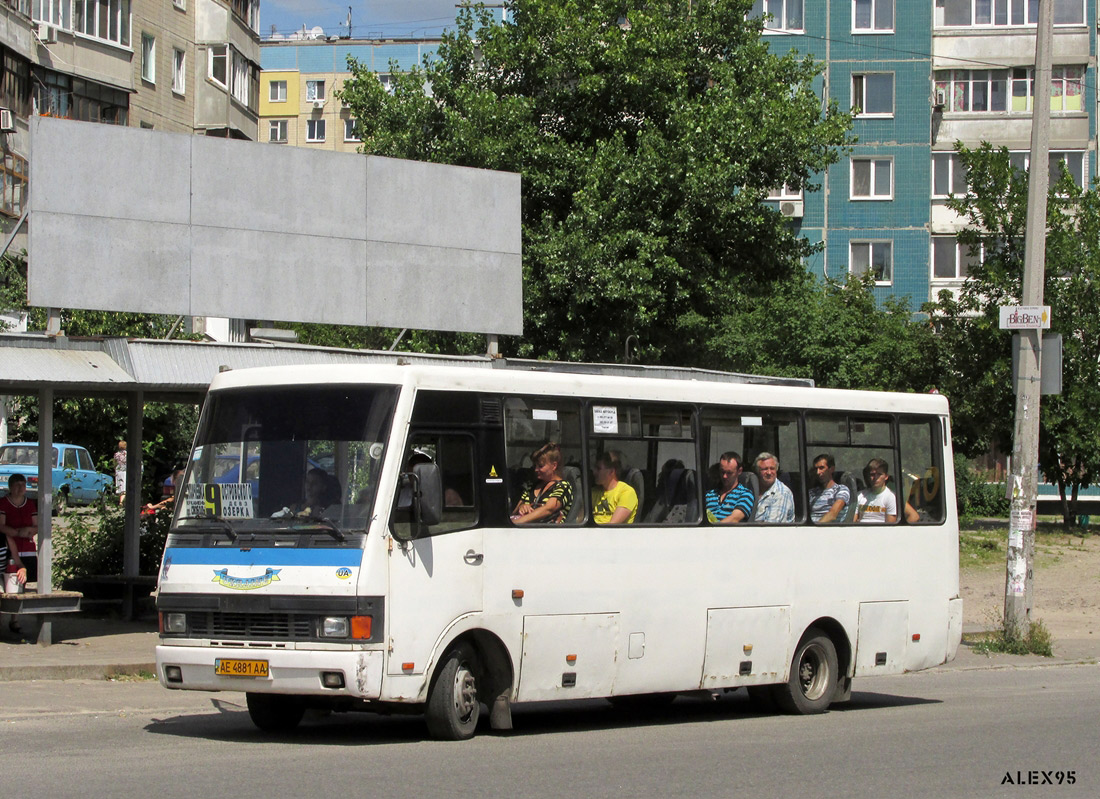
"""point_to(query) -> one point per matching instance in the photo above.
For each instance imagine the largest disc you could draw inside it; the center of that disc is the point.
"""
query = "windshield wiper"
(227, 527)
(327, 525)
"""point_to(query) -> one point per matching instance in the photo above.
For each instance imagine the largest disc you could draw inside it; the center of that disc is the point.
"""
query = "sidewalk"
(85, 647)
(93, 648)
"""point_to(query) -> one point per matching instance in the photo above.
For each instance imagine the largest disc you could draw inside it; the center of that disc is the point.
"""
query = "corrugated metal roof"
(61, 367)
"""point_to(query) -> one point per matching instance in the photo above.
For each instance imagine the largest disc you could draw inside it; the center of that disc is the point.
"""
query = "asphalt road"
(934, 734)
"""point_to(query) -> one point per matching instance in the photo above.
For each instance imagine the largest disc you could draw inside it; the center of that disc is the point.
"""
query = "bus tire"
(453, 707)
(813, 679)
(275, 712)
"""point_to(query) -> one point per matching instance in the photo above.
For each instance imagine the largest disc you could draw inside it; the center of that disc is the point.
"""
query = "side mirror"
(421, 496)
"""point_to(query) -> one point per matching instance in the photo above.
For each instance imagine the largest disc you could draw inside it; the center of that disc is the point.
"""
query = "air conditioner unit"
(7, 122)
(318, 104)
(791, 208)
(47, 33)
(941, 98)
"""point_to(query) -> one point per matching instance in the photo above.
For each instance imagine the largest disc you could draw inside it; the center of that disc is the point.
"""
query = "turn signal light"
(361, 627)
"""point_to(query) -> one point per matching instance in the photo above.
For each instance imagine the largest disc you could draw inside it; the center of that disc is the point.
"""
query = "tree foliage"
(647, 134)
(977, 355)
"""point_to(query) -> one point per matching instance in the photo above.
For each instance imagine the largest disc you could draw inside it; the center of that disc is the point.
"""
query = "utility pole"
(1025, 444)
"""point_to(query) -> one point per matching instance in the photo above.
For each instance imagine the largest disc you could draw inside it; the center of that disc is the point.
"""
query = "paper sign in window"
(540, 415)
(605, 419)
(752, 421)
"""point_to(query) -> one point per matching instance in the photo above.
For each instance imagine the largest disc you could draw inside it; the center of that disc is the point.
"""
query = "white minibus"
(351, 537)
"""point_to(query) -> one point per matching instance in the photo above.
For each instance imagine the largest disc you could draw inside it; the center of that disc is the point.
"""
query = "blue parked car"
(75, 480)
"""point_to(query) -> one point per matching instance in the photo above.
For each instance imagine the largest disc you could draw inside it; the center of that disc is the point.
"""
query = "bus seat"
(850, 509)
(750, 481)
(573, 475)
(636, 480)
(677, 501)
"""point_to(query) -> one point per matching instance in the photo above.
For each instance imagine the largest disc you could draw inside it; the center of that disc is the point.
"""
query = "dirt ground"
(1066, 592)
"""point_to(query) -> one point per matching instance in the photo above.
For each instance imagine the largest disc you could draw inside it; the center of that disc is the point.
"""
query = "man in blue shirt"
(731, 502)
(776, 502)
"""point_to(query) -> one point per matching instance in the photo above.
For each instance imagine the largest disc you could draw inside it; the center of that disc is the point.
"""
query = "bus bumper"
(289, 672)
(954, 627)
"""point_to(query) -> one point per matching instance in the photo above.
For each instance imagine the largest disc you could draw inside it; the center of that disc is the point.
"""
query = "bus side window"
(752, 432)
(530, 424)
(921, 472)
(454, 454)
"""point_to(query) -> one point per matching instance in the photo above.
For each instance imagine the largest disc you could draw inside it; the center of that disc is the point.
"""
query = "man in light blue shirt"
(776, 502)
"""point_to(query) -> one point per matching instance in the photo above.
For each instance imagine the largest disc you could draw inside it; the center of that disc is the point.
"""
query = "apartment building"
(300, 79)
(923, 74)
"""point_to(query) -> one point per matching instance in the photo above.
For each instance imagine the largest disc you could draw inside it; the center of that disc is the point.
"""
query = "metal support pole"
(45, 506)
(131, 548)
(1025, 447)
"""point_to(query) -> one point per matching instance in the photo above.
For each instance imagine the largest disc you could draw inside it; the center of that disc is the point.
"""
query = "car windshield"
(287, 459)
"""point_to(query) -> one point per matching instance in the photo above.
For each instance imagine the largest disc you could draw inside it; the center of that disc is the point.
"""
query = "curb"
(76, 671)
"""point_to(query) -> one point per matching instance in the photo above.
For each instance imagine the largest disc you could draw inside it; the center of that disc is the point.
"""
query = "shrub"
(975, 496)
(93, 543)
(1037, 641)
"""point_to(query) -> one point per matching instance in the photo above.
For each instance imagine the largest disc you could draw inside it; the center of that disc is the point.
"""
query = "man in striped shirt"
(730, 502)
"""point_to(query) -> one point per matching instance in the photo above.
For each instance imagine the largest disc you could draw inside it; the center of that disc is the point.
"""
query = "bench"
(41, 607)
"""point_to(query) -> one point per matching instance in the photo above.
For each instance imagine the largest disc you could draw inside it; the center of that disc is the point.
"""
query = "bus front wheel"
(813, 680)
(275, 712)
(453, 706)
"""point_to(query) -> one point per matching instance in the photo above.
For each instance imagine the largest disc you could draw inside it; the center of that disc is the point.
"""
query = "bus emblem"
(343, 572)
(223, 578)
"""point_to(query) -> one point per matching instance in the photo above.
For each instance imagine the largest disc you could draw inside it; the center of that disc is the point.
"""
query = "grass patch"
(141, 675)
(982, 547)
(1038, 641)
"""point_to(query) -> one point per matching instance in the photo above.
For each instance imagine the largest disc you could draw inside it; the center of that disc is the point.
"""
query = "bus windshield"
(288, 458)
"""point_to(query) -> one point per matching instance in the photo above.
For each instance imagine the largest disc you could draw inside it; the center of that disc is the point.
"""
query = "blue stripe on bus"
(267, 556)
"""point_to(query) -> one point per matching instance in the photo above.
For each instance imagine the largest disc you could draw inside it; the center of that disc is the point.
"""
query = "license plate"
(226, 667)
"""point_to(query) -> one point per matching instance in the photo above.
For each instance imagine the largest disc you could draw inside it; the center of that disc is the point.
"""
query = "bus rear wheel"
(813, 680)
(275, 712)
(453, 706)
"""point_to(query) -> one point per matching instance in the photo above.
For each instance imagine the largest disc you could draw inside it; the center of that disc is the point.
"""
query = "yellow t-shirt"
(605, 503)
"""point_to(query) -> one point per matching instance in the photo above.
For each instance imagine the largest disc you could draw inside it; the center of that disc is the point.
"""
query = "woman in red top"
(19, 522)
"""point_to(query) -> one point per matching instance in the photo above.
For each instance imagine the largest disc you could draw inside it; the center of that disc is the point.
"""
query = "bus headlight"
(335, 627)
(174, 622)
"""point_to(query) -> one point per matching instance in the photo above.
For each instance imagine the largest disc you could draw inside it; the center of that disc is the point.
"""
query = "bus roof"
(608, 381)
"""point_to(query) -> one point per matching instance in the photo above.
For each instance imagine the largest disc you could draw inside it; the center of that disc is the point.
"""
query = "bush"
(975, 496)
(93, 543)
(1037, 641)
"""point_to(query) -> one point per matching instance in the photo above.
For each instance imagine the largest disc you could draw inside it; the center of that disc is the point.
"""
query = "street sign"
(1025, 317)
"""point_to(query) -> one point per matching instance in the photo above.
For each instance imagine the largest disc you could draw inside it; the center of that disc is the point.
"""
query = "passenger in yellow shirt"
(616, 503)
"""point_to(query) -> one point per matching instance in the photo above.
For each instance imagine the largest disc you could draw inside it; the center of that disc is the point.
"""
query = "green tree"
(977, 355)
(647, 134)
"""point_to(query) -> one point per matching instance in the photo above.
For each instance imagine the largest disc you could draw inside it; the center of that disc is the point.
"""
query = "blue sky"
(369, 18)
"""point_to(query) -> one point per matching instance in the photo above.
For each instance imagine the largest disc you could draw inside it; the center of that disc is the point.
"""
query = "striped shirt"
(739, 498)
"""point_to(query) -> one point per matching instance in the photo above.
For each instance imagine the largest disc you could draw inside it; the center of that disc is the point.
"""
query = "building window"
(219, 69)
(786, 15)
(241, 79)
(873, 94)
(315, 130)
(875, 257)
(277, 92)
(979, 90)
(277, 131)
(15, 86)
(55, 12)
(872, 16)
(108, 20)
(349, 130)
(950, 259)
(1067, 88)
(180, 4)
(993, 13)
(75, 98)
(872, 179)
(315, 90)
(14, 171)
(248, 11)
(179, 71)
(948, 175)
(1075, 161)
(148, 58)
(785, 192)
